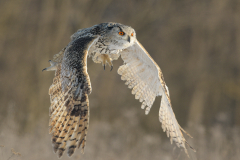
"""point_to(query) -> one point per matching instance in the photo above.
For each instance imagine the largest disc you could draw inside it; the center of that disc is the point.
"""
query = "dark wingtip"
(55, 147)
(111, 68)
(71, 150)
(60, 152)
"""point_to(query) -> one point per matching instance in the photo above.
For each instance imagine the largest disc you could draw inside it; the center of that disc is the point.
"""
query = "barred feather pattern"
(69, 119)
(69, 110)
(145, 78)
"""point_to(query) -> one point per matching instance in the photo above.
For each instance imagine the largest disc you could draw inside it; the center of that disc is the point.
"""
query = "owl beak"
(129, 40)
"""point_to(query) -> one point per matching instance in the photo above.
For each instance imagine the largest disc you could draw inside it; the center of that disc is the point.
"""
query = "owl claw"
(106, 60)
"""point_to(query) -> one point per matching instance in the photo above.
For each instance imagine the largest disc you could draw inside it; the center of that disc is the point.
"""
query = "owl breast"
(104, 47)
(100, 48)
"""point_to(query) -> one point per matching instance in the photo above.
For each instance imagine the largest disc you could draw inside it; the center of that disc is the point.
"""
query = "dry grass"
(124, 139)
(13, 153)
(196, 44)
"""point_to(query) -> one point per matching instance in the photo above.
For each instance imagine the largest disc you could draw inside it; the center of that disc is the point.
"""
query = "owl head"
(120, 36)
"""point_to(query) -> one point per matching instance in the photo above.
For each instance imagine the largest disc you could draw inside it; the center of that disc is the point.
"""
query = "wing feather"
(69, 110)
(144, 77)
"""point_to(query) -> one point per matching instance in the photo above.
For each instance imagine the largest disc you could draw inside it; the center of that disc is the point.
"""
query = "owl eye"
(132, 34)
(121, 33)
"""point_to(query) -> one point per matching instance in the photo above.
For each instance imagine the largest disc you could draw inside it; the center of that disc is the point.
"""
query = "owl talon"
(106, 60)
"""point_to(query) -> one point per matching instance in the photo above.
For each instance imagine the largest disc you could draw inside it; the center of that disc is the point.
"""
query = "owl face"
(120, 36)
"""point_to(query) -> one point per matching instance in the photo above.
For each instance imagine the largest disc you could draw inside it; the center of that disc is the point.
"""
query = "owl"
(105, 42)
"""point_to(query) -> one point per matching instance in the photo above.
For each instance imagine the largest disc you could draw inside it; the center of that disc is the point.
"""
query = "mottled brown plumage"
(69, 110)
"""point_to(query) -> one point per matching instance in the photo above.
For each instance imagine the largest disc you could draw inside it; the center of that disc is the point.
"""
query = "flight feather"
(145, 78)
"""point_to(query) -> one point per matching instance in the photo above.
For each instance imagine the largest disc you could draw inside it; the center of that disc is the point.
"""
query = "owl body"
(105, 42)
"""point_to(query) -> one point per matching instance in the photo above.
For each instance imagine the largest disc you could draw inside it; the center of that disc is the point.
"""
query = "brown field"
(196, 44)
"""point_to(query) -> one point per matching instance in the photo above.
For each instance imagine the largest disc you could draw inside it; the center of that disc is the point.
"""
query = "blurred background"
(196, 44)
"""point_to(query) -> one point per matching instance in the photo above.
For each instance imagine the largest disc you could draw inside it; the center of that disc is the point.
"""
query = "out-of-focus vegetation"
(196, 44)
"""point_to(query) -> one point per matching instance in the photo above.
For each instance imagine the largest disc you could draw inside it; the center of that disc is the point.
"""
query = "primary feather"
(144, 76)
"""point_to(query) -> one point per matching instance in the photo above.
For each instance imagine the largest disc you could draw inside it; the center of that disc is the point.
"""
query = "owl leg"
(106, 60)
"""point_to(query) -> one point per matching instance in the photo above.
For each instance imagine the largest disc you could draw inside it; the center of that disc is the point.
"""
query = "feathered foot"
(106, 60)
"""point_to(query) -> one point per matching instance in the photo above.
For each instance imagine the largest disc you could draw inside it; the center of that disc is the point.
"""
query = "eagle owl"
(105, 42)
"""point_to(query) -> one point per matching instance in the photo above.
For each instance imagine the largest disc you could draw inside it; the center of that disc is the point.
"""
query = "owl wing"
(69, 110)
(145, 78)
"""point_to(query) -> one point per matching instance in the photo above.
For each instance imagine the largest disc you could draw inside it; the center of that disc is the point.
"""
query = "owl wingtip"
(60, 152)
(71, 150)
